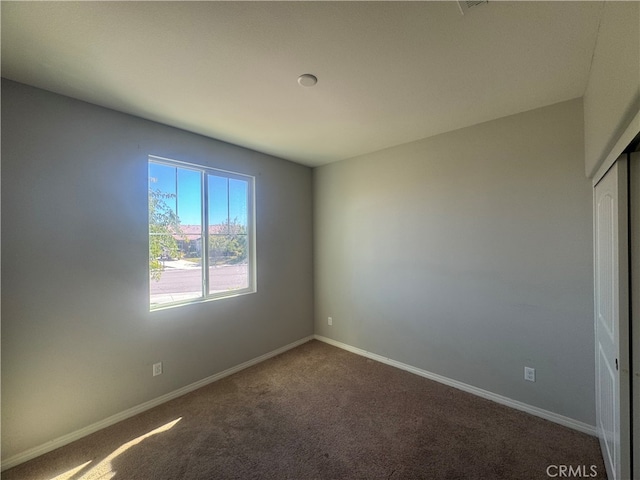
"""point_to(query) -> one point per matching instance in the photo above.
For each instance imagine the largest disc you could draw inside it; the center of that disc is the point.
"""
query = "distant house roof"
(189, 232)
(194, 232)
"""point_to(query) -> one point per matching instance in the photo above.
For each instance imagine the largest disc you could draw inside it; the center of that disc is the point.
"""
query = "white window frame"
(251, 247)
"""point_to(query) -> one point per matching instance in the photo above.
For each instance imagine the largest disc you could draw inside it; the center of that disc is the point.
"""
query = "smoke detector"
(307, 80)
(468, 5)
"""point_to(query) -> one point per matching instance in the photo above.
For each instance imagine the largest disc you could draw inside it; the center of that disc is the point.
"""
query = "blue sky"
(226, 196)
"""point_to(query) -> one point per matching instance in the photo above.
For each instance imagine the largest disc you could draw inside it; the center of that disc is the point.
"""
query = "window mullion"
(205, 236)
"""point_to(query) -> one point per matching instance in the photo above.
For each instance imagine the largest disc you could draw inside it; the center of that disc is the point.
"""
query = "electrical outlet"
(157, 369)
(330, 321)
(530, 374)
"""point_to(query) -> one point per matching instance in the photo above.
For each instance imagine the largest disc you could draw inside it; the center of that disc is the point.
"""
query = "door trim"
(634, 265)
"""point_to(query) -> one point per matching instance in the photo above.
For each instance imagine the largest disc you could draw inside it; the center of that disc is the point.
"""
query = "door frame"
(634, 244)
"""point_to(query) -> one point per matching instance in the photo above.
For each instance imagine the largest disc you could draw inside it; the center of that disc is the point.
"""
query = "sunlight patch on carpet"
(104, 469)
(68, 475)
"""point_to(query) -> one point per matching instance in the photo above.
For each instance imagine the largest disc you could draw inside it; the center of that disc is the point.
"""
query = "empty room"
(320, 240)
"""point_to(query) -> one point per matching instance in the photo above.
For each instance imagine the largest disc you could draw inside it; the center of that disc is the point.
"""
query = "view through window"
(200, 233)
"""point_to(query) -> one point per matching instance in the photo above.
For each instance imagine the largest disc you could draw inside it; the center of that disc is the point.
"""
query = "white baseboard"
(538, 412)
(83, 432)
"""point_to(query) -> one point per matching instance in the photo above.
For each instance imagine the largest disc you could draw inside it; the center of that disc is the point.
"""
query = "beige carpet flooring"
(319, 412)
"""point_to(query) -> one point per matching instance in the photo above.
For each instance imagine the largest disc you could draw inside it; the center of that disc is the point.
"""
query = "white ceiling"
(389, 72)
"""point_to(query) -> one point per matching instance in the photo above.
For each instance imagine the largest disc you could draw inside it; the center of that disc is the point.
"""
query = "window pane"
(228, 240)
(175, 234)
(189, 194)
(238, 191)
(162, 179)
(228, 267)
(218, 204)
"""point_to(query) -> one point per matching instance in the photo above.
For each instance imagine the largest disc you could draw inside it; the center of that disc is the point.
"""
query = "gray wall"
(613, 93)
(469, 255)
(78, 340)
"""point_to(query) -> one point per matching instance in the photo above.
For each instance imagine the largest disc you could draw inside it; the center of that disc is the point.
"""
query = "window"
(201, 240)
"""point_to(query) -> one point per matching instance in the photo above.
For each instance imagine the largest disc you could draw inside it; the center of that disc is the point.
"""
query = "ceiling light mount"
(307, 80)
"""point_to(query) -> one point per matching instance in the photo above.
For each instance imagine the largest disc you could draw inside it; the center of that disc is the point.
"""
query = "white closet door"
(611, 319)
